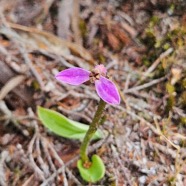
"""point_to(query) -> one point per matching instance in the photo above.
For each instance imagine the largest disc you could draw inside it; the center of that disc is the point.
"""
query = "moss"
(171, 99)
(35, 85)
(146, 61)
(171, 9)
(150, 39)
(183, 99)
(170, 88)
(156, 45)
(154, 21)
(183, 121)
(176, 37)
(182, 143)
(101, 58)
(183, 83)
(83, 27)
(170, 104)
(171, 180)
(166, 46)
(160, 71)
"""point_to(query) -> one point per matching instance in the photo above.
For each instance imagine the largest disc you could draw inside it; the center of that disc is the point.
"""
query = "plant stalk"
(91, 131)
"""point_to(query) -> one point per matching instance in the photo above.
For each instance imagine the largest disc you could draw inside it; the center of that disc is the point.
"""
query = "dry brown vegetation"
(143, 46)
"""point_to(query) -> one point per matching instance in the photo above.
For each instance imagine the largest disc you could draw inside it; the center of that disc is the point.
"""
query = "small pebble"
(142, 179)
(7, 139)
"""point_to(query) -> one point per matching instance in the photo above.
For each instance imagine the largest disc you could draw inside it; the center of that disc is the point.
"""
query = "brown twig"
(62, 170)
(10, 85)
(30, 65)
(156, 63)
(75, 22)
(37, 170)
(3, 179)
(146, 85)
(10, 118)
(43, 165)
(47, 154)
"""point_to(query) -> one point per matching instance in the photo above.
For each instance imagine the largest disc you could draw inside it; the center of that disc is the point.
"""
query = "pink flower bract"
(105, 88)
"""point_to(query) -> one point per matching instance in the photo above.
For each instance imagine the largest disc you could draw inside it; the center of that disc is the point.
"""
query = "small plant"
(91, 169)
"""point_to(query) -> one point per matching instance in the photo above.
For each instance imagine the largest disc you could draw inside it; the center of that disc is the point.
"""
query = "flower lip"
(101, 69)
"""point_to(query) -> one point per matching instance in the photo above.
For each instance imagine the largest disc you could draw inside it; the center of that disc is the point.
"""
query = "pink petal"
(101, 69)
(107, 91)
(73, 76)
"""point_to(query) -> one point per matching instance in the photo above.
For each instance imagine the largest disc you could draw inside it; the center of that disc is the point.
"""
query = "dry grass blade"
(75, 23)
(64, 18)
(22, 92)
(35, 167)
(3, 178)
(29, 180)
(146, 85)
(30, 65)
(56, 156)
(10, 85)
(51, 43)
(156, 63)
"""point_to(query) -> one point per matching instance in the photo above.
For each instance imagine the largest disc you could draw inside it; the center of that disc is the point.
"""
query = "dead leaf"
(65, 12)
(113, 41)
(10, 85)
(35, 39)
(120, 34)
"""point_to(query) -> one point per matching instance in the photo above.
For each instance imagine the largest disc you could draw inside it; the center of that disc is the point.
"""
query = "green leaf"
(63, 126)
(96, 171)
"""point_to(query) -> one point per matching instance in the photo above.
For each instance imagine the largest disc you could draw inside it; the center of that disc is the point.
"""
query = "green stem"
(91, 131)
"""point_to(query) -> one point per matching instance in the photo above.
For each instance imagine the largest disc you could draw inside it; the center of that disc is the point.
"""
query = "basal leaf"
(63, 126)
(96, 171)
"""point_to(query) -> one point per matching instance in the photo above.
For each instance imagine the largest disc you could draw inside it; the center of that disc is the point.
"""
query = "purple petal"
(73, 76)
(107, 91)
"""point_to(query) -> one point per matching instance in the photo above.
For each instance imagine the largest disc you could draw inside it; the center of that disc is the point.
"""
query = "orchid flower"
(105, 88)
